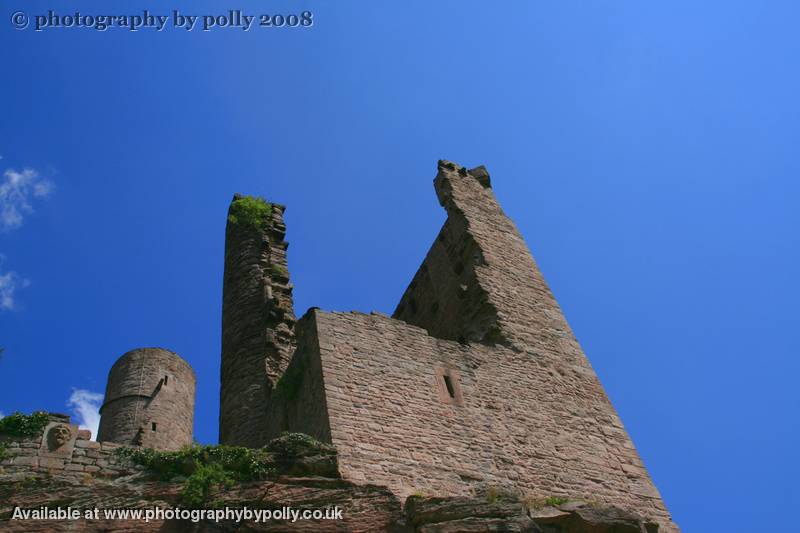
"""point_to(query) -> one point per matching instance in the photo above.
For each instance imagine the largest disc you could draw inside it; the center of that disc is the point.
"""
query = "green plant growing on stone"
(290, 446)
(250, 212)
(198, 486)
(20, 425)
(539, 503)
(555, 501)
(202, 468)
(3, 451)
(244, 464)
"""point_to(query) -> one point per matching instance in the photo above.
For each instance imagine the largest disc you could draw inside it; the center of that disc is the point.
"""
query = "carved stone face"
(59, 436)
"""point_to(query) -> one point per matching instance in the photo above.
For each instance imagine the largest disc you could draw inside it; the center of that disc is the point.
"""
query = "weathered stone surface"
(476, 382)
(463, 515)
(421, 510)
(149, 401)
(580, 517)
(306, 478)
(365, 508)
(29, 455)
(257, 326)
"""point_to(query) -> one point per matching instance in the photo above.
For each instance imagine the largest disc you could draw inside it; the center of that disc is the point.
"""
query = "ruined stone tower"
(476, 381)
(149, 400)
(257, 318)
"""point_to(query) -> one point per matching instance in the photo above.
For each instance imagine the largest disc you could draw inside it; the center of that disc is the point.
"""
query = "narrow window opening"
(153, 426)
(449, 384)
(166, 380)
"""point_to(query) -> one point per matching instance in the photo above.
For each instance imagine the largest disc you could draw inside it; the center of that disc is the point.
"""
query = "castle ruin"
(475, 381)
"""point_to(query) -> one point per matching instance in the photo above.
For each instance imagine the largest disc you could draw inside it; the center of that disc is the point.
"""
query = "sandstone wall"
(75, 460)
(445, 297)
(298, 403)
(257, 326)
(149, 400)
(88, 476)
(509, 418)
(495, 390)
(477, 381)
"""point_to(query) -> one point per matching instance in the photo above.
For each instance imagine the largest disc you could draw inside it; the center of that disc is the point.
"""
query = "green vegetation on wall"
(250, 212)
(20, 425)
(203, 468)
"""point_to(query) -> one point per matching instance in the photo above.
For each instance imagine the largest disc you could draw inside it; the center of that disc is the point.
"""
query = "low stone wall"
(63, 450)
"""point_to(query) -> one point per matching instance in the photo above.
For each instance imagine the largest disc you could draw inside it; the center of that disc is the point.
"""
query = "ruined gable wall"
(516, 298)
(519, 419)
(445, 297)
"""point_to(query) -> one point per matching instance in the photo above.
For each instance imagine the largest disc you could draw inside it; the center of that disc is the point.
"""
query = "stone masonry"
(72, 459)
(475, 387)
(149, 401)
(477, 381)
(60, 468)
(257, 326)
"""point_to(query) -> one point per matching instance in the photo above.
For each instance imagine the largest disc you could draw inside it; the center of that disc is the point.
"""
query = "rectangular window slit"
(153, 426)
(166, 379)
(449, 384)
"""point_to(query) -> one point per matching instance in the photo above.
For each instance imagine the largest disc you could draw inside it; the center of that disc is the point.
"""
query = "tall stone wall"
(421, 414)
(257, 321)
(149, 400)
(477, 381)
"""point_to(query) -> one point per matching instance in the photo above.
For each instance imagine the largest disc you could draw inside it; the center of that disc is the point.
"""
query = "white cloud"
(85, 406)
(17, 191)
(9, 283)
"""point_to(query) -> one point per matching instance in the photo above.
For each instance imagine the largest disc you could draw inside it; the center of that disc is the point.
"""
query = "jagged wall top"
(479, 281)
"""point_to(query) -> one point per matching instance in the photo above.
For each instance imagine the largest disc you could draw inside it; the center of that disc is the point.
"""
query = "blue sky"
(647, 152)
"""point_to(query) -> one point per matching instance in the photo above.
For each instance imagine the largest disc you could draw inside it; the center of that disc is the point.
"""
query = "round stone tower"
(149, 400)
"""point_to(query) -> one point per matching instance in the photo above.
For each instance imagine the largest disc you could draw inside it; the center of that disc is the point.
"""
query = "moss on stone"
(250, 212)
